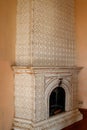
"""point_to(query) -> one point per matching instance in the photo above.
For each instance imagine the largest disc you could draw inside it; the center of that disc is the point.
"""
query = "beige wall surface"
(7, 49)
(81, 30)
(6, 96)
(7, 30)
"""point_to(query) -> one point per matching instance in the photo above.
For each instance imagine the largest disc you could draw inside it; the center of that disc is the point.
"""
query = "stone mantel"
(27, 69)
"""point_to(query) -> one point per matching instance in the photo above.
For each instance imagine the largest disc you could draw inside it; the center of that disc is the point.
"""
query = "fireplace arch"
(66, 86)
(57, 101)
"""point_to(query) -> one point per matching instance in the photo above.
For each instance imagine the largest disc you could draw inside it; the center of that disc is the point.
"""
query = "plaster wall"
(6, 96)
(7, 56)
(81, 32)
(7, 30)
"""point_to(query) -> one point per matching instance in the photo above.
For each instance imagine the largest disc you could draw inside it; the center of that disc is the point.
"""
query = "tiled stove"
(45, 74)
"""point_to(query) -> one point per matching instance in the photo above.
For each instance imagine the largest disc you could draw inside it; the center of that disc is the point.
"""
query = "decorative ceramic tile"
(24, 96)
(53, 33)
(23, 45)
(51, 23)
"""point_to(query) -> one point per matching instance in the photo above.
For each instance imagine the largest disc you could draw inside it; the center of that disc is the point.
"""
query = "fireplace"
(45, 98)
(57, 100)
(45, 73)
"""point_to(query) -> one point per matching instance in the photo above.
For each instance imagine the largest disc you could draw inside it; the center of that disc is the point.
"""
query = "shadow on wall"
(82, 88)
(6, 96)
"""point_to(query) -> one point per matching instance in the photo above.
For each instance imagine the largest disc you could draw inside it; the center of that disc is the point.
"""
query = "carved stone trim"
(66, 85)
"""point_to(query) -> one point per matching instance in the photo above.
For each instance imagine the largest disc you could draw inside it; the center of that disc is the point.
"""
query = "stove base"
(54, 123)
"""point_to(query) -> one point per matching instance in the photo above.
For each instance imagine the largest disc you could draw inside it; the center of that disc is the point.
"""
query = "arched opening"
(57, 101)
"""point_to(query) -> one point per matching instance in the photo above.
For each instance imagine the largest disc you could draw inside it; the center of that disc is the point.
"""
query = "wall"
(81, 29)
(7, 43)
(7, 30)
(6, 96)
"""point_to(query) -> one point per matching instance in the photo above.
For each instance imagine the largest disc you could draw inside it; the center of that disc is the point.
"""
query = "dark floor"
(81, 125)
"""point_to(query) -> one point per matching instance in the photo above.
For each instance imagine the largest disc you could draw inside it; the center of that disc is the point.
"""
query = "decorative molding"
(66, 85)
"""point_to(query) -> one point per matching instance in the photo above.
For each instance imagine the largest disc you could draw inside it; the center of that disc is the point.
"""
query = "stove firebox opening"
(57, 101)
